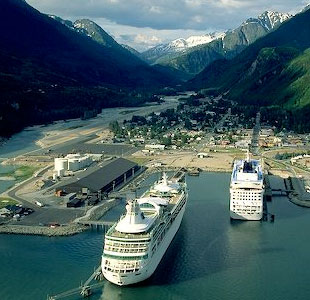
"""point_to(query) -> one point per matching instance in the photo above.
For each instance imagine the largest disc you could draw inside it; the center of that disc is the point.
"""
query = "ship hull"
(151, 265)
(245, 217)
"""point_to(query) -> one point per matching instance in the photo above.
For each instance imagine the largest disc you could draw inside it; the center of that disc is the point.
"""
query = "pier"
(85, 290)
(97, 224)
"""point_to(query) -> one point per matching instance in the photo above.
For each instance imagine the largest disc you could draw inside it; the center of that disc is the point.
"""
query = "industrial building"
(73, 163)
(102, 180)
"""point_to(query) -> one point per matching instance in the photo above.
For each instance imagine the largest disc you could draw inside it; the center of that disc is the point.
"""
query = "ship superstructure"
(135, 244)
(247, 190)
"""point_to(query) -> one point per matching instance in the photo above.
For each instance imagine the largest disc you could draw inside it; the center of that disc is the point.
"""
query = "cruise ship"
(135, 245)
(247, 190)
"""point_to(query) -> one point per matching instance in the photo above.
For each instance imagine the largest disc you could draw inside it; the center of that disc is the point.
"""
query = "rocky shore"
(298, 202)
(66, 230)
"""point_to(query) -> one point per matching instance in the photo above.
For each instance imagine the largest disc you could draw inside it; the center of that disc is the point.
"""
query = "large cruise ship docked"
(247, 190)
(134, 246)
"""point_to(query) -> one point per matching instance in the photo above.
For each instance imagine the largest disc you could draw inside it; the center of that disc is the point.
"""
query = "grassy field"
(4, 201)
(140, 160)
(21, 173)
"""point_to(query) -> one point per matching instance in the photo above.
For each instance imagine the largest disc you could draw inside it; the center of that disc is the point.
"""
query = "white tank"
(61, 164)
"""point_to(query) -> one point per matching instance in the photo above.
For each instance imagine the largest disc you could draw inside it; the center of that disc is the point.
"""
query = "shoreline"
(73, 228)
(67, 230)
(298, 202)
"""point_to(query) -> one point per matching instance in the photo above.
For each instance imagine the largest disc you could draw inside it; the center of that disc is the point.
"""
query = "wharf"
(97, 224)
(193, 172)
(85, 290)
(42, 230)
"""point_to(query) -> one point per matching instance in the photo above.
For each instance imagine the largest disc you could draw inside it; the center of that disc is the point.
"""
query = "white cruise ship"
(247, 190)
(134, 246)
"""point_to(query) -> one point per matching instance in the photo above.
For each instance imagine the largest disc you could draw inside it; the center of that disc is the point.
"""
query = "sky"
(143, 24)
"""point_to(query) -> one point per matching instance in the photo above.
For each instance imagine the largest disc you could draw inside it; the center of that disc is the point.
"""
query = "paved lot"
(50, 215)
(109, 149)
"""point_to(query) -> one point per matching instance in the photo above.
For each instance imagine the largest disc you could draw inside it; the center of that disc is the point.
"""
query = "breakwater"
(65, 230)
(76, 227)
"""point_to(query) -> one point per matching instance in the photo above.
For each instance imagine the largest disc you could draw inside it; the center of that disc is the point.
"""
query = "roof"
(74, 201)
(104, 175)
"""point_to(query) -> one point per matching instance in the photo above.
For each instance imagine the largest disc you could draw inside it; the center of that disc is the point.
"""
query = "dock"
(268, 190)
(97, 224)
(85, 290)
(193, 172)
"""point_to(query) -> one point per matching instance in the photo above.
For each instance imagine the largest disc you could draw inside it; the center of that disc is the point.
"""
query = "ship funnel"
(134, 214)
(165, 179)
(134, 220)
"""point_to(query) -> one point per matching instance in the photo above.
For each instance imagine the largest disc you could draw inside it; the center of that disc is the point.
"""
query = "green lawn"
(139, 160)
(4, 201)
(21, 173)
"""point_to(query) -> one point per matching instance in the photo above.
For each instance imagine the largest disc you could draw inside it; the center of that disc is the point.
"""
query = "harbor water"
(210, 257)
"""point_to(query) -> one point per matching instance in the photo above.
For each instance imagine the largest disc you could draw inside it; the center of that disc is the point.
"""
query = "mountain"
(50, 70)
(226, 46)
(94, 31)
(177, 46)
(132, 50)
(272, 72)
(91, 29)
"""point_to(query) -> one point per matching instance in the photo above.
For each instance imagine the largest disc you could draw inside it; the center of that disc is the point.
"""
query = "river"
(210, 257)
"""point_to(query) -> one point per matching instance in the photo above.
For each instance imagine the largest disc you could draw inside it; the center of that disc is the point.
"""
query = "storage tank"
(61, 164)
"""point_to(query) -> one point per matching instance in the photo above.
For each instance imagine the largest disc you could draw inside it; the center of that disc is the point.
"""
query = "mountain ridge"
(273, 72)
(49, 71)
(227, 45)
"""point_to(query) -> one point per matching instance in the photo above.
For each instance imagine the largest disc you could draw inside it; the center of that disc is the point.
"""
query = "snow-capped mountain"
(307, 7)
(192, 41)
(252, 29)
(180, 45)
(270, 19)
(90, 29)
(182, 54)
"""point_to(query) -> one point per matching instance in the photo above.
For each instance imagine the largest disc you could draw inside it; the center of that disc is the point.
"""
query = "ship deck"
(254, 175)
(113, 233)
(173, 200)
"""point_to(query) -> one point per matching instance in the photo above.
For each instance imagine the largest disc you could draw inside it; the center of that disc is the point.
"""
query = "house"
(202, 155)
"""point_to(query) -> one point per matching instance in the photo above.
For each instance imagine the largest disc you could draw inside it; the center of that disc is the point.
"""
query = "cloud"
(144, 38)
(145, 23)
(167, 14)
(144, 41)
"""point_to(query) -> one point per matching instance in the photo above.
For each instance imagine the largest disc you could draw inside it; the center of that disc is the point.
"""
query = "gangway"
(85, 290)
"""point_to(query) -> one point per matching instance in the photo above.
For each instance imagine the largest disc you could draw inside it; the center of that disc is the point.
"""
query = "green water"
(210, 257)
